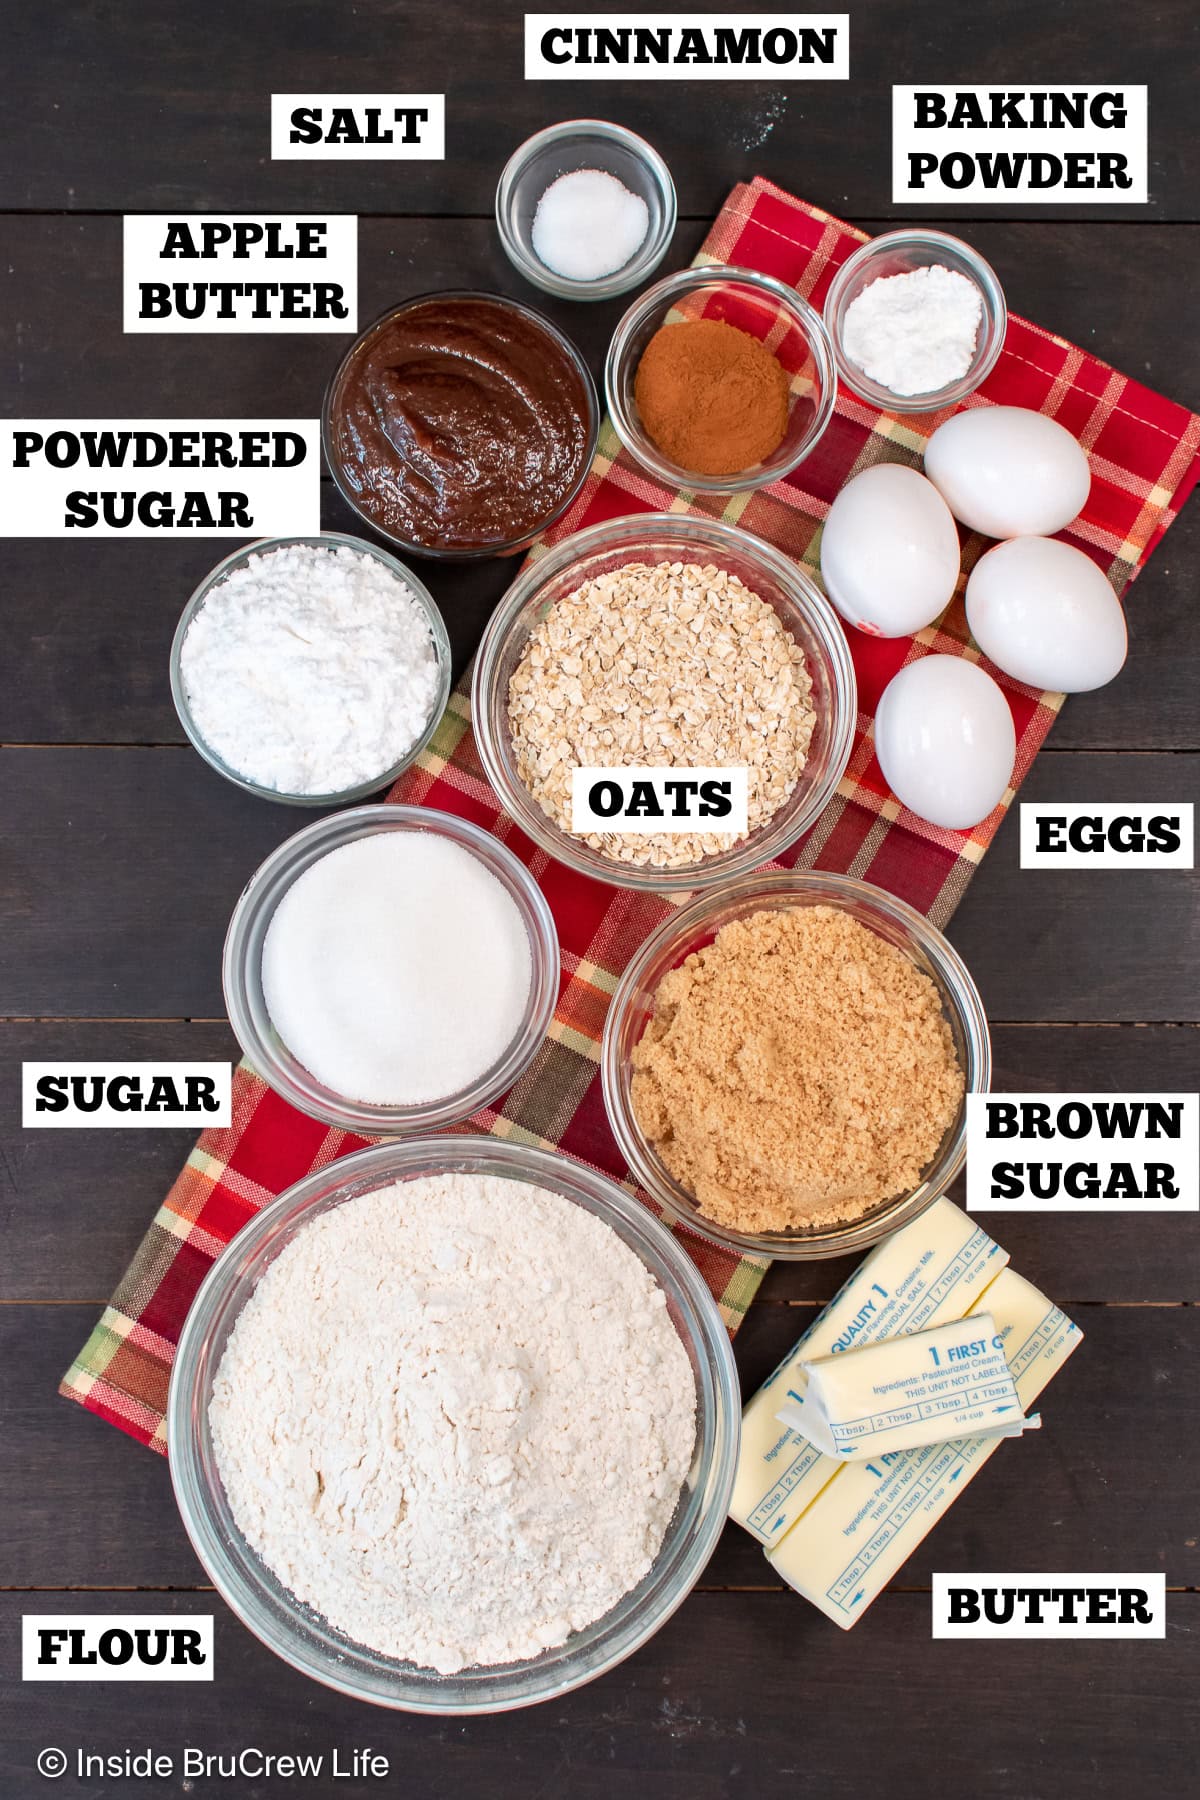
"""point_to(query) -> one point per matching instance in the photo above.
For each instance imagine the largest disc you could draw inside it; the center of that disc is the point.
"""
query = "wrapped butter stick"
(905, 1392)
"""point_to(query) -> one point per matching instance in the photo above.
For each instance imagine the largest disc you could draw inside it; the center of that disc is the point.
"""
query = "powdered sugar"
(914, 333)
(310, 670)
(455, 1418)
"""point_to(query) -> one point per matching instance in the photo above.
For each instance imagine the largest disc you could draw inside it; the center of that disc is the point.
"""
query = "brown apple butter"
(459, 423)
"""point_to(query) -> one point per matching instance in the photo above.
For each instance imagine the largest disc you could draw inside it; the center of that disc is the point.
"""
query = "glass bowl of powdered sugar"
(917, 320)
(311, 670)
(453, 1425)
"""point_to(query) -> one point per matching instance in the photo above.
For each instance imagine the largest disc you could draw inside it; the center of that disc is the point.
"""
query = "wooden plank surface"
(104, 1513)
(121, 856)
(732, 1698)
(74, 1205)
(149, 850)
(101, 118)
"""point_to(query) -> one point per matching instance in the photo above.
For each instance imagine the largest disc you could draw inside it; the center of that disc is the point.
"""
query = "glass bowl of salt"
(585, 209)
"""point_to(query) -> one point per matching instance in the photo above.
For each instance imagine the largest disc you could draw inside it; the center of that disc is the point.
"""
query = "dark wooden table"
(121, 855)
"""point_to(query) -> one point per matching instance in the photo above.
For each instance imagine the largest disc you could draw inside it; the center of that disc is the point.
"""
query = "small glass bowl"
(654, 538)
(247, 1007)
(331, 540)
(468, 552)
(301, 1636)
(897, 253)
(560, 150)
(696, 925)
(758, 304)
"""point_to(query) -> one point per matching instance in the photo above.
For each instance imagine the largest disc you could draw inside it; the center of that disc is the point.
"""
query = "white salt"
(588, 225)
(397, 969)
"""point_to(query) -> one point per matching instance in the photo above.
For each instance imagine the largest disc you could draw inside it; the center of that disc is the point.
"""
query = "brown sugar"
(711, 397)
(796, 1073)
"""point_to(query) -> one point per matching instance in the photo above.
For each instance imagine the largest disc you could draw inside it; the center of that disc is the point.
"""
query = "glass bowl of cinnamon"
(720, 379)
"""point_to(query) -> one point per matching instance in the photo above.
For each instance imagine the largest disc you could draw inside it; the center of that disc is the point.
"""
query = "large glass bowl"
(696, 925)
(299, 1634)
(654, 538)
(247, 1006)
(325, 540)
(764, 308)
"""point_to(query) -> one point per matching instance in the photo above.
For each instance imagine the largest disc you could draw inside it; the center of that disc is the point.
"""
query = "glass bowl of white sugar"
(917, 320)
(311, 670)
(391, 969)
(585, 209)
(473, 1401)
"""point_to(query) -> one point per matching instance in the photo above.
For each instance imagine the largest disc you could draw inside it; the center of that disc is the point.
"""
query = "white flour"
(914, 333)
(310, 670)
(455, 1419)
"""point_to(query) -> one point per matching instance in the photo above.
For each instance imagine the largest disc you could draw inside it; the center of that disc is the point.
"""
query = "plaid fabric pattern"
(1145, 458)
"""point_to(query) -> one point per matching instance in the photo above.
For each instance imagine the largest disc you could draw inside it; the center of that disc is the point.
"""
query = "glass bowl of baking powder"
(905, 252)
(301, 1636)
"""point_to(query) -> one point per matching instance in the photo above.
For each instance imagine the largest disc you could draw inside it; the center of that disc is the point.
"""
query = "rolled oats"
(675, 666)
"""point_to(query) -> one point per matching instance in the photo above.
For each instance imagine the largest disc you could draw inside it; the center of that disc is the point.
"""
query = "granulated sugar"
(455, 1418)
(397, 969)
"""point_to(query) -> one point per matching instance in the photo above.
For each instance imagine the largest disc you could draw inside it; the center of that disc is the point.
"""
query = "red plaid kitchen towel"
(1145, 458)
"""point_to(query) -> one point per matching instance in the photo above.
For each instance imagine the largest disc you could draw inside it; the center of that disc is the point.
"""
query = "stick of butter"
(867, 1522)
(933, 1269)
(908, 1391)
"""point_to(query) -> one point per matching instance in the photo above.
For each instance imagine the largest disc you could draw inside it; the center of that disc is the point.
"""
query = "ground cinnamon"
(711, 397)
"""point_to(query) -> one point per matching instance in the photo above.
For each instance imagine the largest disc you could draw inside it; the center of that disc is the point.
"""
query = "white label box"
(358, 127)
(116, 1647)
(773, 46)
(160, 478)
(1111, 834)
(1034, 145)
(1038, 1605)
(1083, 1153)
(240, 272)
(137, 1096)
(647, 800)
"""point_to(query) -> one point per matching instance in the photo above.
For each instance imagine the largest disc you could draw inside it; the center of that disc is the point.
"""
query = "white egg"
(945, 740)
(1008, 472)
(1045, 614)
(889, 551)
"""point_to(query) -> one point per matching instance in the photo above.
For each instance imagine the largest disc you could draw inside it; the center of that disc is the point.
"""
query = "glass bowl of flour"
(311, 670)
(453, 1425)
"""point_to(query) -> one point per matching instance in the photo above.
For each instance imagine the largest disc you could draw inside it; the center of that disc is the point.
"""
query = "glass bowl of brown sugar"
(720, 379)
(833, 1063)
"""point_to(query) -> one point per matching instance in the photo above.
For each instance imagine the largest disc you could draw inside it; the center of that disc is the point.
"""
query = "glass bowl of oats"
(658, 641)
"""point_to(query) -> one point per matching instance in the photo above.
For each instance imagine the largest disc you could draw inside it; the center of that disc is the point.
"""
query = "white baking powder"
(588, 225)
(310, 670)
(914, 333)
(397, 968)
(455, 1418)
